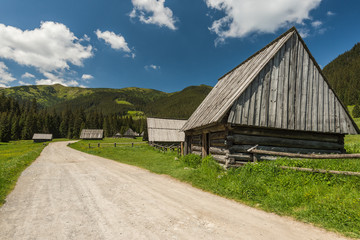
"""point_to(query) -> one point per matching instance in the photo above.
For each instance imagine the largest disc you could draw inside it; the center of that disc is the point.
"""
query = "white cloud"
(244, 17)
(48, 48)
(3, 86)
(316, 24)
(27, 75)
(5, 76)
(330, 13)
(153, 12)
(115, 41)
(86, 77)
(24, 83)
(152, 67)
(51, 79)
(304, 32)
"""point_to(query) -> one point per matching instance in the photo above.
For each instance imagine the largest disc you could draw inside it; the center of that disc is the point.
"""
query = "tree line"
(20, 120)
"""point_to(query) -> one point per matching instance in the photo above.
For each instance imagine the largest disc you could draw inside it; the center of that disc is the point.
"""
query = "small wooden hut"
(130, 134)
(41, 137)
(277, 99)
(92, 134)
(165, 131)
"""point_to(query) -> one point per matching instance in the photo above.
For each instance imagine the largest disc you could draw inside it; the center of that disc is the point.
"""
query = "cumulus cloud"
(51, 79)
(5, 76)
(48, 48)
(244, 17)
(316, 24)
(116, 41)
(86, 77)
(330, 13)
(24, 83)
(27, 75)
(153, 12)
(152, 67)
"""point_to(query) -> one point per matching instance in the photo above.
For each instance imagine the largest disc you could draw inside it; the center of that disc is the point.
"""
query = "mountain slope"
(153, 102)
(343, 74)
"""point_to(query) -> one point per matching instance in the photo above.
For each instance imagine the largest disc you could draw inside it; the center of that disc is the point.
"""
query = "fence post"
(114, 144)
(89, 145)
(98, 144)
(132, 144)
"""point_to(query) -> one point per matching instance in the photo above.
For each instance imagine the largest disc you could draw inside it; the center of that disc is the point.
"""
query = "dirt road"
(66, 194)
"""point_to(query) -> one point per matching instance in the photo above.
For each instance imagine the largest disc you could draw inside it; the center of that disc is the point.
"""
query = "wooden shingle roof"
(92, 134)
(281, 86)
(42, 136)
(165, 130)
(130, 133)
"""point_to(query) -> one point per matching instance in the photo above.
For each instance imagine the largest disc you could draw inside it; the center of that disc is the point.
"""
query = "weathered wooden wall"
(291, 93)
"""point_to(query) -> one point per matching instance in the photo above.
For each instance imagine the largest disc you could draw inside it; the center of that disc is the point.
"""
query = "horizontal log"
(283, 142)
(218, 150)
(241, 156)
(196, 148)
(196, 142)
(218, 135)
(311, 156)
(336, 138)
(244, 148)
(196, 152)
(321, 171)
(220, 158)
(196, 137)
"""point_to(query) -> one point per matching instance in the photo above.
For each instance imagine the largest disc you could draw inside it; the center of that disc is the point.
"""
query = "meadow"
(14, 158)
(325, 200)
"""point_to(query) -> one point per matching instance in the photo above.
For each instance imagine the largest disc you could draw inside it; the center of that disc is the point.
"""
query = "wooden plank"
(287, 134)
(292, 84)
(304, 91)
(310, 156)
(253, 86)
(280, 91)
(259, 98)
(314, 120)
(299, 84)
(219, 150)
(196, 148)
(322, 171)
(241, 156)
(217, 135)
(283, 142)
(326, 120)
(273, 90)
(266, 94)
(331, 111)
(245, 113)
(320, 121)
(245, 148)
(337, 115)
(310, 97)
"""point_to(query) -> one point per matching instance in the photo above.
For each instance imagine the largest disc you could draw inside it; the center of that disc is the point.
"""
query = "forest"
(19, 120)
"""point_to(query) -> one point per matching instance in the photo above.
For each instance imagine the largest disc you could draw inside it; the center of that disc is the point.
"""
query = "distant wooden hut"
(277, 99)
(92, 134)
(41, 137)
(118, 135)
(165, 130)
(130, 134)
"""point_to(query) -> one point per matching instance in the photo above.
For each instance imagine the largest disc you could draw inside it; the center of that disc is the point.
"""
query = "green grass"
(123, 102)
(329, 201)
(14, 158)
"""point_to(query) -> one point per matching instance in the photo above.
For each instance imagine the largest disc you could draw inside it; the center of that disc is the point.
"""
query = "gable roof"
(277, 87)
(92, 134)
(42, 136)
(131, 133)
(165, 130)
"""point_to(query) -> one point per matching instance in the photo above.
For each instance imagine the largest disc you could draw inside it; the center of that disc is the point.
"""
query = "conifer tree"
(356, 111)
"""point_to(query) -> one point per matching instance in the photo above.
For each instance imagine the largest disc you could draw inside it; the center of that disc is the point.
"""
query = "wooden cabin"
(41, 137)
(92, 134)
(130, 134)
(277, 99)
(165, 131)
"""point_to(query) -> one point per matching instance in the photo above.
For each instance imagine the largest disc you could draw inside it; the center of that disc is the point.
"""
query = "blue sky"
(159, 44)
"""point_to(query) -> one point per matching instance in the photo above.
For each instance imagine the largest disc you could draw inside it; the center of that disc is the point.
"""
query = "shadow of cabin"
(277, 99)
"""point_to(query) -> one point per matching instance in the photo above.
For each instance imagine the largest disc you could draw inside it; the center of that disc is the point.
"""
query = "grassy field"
(14, 158)
(329, 201)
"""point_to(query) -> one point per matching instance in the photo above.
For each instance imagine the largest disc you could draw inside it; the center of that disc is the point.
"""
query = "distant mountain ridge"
(152, 102)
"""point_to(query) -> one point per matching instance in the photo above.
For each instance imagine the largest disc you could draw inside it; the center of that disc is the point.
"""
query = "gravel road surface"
(67, 194)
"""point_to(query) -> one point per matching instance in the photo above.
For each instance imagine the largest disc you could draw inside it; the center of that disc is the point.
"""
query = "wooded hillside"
(343, 74)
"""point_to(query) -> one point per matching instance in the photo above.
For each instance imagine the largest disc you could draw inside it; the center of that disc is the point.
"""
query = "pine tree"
(356, 111)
